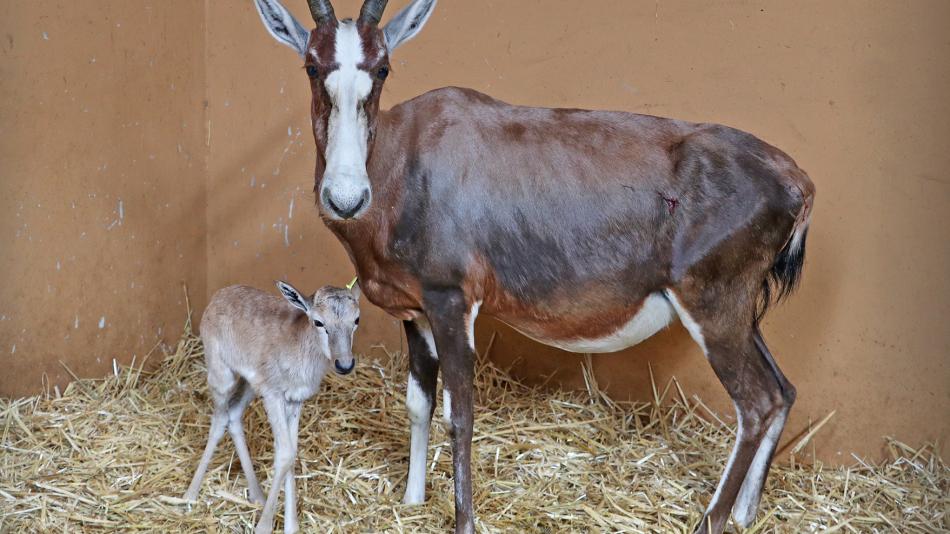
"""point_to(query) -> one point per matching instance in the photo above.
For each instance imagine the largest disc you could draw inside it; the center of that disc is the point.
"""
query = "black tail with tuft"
(784, 275)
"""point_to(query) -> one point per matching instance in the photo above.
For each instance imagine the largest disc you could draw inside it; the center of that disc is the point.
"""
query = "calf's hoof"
(413, 500)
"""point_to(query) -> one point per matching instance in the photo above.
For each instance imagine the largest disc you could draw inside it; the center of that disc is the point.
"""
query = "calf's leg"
(236, 430)
(219, 422)
(290, 495)
(284, 454)
(223, 384)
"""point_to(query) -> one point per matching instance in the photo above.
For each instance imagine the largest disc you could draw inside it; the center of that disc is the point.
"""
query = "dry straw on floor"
(118, 454)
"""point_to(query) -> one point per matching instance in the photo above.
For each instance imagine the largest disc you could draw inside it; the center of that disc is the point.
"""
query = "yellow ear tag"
(351, 284)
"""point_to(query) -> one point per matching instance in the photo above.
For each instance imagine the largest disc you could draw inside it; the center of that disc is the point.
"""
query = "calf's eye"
(382, 73)
(318, 324)
(312, 71)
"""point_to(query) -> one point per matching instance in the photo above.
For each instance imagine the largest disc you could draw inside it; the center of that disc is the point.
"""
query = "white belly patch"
(655, 314)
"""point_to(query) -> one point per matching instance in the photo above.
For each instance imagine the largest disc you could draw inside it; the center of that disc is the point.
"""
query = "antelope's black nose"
(340, 370)
(346, 207)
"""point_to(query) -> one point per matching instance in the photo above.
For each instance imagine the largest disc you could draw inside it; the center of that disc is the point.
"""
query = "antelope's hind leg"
(729, 340)
(747, 502)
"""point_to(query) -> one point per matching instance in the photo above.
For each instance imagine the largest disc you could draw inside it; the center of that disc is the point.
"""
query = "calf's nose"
(340, 370)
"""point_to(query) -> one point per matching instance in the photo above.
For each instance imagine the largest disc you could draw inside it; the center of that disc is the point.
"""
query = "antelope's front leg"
(420, 403)
(452, 319)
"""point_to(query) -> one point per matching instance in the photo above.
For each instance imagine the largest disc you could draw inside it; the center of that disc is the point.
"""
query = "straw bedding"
(117, 454)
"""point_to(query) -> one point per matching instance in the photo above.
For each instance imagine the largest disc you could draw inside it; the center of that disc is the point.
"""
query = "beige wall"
(102, 186)
(262, 223)
(855, 91)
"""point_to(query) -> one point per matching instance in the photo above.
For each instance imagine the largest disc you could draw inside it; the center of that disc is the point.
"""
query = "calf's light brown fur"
(257, 343)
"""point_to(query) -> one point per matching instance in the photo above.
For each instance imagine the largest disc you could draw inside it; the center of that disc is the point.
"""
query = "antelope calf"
(258, 344)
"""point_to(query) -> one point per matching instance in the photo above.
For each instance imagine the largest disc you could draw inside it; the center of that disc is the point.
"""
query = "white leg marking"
(418, 406)
(732, 459)
(422, 325)
(691, 325)
(416, 402)
(470, 324)
(446, 406)
(747, 503)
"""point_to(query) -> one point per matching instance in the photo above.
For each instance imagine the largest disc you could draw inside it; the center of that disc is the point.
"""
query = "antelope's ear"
(293, 296)
(282, 25)
(407, 23)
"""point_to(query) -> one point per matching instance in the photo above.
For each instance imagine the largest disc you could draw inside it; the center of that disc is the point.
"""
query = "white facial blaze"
(348, 128)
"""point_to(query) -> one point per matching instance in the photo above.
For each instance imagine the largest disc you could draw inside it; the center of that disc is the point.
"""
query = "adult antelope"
(586, 230)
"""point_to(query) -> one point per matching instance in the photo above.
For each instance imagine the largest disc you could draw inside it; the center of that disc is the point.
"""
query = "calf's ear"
(293, 296)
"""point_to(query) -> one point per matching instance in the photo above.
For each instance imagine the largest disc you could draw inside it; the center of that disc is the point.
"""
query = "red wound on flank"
(671, 202)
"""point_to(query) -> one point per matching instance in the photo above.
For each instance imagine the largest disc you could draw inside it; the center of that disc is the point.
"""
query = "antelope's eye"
(318, 324)
(382, 73)
(312, 71)
(357, 321)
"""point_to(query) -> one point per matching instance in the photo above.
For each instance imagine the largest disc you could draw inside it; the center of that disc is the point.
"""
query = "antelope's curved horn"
(322, 11)
(372, 11)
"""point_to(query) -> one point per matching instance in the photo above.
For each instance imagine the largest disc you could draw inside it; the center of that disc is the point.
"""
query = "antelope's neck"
(383, 278)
